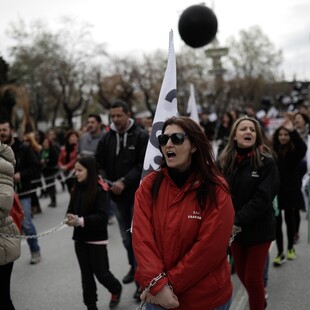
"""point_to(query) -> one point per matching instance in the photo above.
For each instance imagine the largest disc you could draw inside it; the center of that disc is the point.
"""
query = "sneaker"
(35, 258)
(291, 254)
(129, 276)
(92, 307)
(279, 260)
(266, 294)
(115, 299)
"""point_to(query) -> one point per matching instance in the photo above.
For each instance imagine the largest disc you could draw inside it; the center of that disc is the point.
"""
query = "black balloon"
(197, 25)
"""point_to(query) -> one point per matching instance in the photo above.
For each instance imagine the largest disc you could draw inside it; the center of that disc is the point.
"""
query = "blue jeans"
(156, 307)
(28, 226)
(123, 211)
(225, 307)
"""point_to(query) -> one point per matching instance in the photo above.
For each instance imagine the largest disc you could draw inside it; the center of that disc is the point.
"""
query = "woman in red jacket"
(183, 218)
(68, 156)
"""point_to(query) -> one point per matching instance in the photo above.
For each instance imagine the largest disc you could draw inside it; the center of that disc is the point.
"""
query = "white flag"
(166, 108)
(192, 111)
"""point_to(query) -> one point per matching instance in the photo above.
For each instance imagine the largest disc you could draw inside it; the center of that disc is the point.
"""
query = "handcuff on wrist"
(148, 288)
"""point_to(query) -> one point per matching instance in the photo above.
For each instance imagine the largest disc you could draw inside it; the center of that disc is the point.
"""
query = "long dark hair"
(279, 148)
(203, 162)
(90, 184)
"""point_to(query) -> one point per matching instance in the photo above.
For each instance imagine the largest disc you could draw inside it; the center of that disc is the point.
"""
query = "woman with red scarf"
(252, 174)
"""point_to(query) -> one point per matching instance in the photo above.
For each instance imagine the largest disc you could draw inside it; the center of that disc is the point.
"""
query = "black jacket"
(253, 191)
(290, 195)
(95, 220)
(49, 161)
(123, 159)
(28, 165)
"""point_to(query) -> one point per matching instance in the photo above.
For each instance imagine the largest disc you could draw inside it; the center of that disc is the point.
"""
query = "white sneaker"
(35, 258)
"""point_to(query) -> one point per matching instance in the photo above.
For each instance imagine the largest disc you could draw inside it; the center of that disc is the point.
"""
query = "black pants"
(123, 211)
(51, 188)
(289, 216)
(93, 260)
(5, 284)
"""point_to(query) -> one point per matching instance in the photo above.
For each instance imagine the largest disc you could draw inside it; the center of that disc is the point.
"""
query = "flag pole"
(166, 108)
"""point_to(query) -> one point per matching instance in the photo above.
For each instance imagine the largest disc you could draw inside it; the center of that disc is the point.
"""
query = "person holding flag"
(182, 223)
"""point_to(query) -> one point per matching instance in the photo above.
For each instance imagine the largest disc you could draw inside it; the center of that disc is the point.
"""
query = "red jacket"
(172, 234)
(72, 159)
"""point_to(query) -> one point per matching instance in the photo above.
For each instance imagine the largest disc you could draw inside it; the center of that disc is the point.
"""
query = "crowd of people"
(177, 224)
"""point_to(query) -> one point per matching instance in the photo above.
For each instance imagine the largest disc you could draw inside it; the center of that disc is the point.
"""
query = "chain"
(233, 235)
(231, 240)
(153, 282)
(70, 175)
(148, 288)
(45, 233)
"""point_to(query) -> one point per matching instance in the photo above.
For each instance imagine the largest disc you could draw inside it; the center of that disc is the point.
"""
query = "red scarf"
(239, 158)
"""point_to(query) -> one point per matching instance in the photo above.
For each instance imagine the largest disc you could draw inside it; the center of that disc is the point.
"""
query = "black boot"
(129, 276)
(115, 299)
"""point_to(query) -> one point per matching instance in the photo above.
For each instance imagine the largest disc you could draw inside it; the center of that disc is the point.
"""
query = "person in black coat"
(120, 156)
(49, 167)
(290, 150)
(88, 214)
(252, 174)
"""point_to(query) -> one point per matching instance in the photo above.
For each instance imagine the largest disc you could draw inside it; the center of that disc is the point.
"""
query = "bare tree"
(253, 55)
(55, 67)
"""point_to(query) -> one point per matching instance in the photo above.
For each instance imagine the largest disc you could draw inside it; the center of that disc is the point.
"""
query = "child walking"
(88, 214)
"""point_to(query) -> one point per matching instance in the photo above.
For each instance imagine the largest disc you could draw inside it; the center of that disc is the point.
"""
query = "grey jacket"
(88, 144)
(9, 247)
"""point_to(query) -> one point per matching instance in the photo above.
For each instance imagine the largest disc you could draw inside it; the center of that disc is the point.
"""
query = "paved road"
(54, 284)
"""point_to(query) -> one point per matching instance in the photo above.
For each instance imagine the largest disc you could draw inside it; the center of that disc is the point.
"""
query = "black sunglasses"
(176, 138)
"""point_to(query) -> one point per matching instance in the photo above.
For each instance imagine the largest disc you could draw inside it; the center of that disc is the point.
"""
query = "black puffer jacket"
(28, 165)
(290, 195)
(253, 191)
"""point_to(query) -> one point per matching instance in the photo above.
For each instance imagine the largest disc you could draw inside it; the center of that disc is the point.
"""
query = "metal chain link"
(70, 175)
(45, 233)
(231, 240)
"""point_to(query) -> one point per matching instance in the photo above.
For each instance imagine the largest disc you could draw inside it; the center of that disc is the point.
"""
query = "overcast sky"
(143, 25)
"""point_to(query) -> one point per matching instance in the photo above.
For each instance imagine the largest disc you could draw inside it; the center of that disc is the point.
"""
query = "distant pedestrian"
(49, 167)
(88, 141)
(88, 214)
(33, 140)
(68, 156)
(290, 150)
